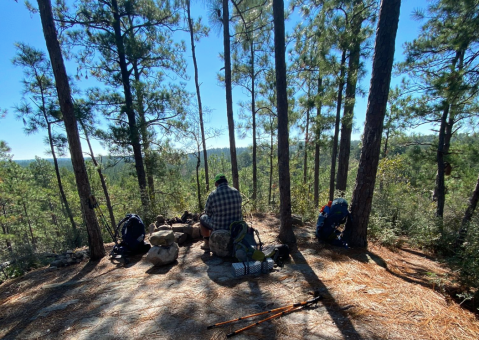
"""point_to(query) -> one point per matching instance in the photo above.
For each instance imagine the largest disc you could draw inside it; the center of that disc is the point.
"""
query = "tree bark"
(317, 148)
(253, 117)
(336, 128)
(286, 234)
(229, 95)
(461, 237)
(60, 185)
(133, 128)
(348, 115)
(377, 101)
(95, 240)
(198, 96)
(440, 186)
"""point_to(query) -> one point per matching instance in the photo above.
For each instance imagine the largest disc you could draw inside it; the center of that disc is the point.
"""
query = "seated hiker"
(331, 216)
(222, 208)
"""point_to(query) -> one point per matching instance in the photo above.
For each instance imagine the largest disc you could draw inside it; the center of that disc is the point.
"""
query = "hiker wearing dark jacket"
(223, 207)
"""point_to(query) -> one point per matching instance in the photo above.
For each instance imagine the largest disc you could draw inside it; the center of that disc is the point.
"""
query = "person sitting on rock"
(223, 207)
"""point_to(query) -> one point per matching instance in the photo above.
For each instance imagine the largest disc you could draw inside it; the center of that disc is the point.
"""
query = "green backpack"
(245, 247)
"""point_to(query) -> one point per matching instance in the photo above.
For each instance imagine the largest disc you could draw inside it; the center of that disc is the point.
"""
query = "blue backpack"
(330, 219)
(245, 247)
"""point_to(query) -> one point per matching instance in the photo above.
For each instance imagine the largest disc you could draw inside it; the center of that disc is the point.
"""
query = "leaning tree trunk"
(100, 174)
(347, 121)
(133, 128)
(317, 148)
(95, 240)
(229, 95)
(286, 234)
(377, 101)
(198, 96)
(60, 186)
(336, 128)
(461, 237)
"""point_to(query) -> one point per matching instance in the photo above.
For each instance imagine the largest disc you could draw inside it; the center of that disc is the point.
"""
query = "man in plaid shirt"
(223, 207)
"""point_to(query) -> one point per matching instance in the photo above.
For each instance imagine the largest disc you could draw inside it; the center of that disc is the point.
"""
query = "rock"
(220, 243)
(160, 256)
(297, 220)
(196, 234)
(188, 230)
(164, 227)
(56, 264)
(177, 227)
(162, 238)
(160, 219)
(151, 228)
(180, 237)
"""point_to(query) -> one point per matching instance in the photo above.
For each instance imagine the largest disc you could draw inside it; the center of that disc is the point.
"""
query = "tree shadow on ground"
(342, 322)
(416, 275)
(42, 300)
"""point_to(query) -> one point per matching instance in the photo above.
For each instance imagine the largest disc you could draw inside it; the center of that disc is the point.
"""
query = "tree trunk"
(102, 178)
(347, 121)
(198, 96)
(95, 240)
(317, 148)
(229, 96)
(440, 186)
(29, 225)
(5, 230)
(286, 234)
(306, 140)
(253, 116)
(76, 240)
(148, 164)
(336, 127)
(198, 187)
(133, 128)
(271, 156)
(377, 101)
(467, 216)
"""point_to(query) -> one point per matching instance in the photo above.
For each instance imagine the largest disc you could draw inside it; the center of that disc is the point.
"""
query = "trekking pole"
(283, 309)
(261, 321)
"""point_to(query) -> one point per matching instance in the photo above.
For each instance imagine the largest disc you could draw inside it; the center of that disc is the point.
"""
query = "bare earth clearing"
(375, 294)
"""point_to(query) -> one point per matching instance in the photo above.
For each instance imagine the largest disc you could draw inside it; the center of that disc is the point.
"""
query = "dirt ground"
(374, 294)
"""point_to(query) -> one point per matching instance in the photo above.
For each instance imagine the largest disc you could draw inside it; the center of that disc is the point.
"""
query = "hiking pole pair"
(280, 311)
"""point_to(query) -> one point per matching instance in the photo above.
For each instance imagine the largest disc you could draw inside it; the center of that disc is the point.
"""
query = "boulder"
(188, 230)
(177, 227)
(196, 234)
(297, 220)
(160, 219)
(160, 255)
(220, 243)
(162, 238)
(164, 227)
(180, 238)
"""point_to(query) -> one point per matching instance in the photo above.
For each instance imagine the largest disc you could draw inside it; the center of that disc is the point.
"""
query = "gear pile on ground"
(373, 294)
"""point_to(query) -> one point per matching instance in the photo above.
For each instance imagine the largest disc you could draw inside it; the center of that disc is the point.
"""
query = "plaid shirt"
(223, 207)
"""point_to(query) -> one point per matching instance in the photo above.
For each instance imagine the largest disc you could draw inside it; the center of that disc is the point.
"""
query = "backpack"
(132, 234)
(245, 247)
(330, 219)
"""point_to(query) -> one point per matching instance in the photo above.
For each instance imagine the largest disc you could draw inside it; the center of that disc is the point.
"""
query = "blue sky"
(19, 25)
